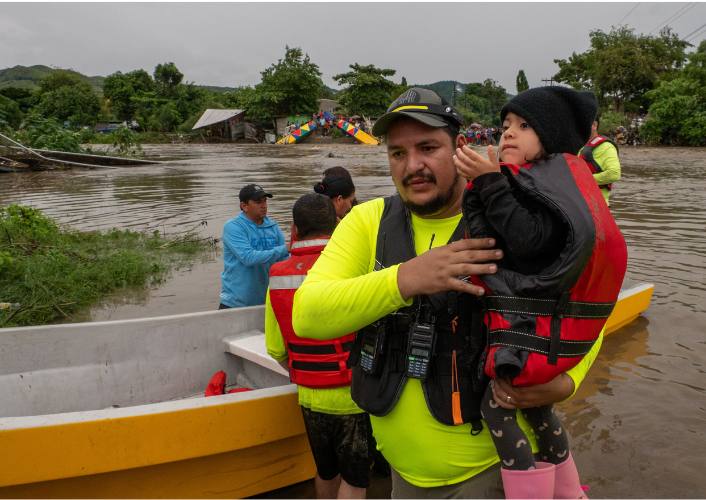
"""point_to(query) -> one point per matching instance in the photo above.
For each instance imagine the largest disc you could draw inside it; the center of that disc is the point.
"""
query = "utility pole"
(549, 81)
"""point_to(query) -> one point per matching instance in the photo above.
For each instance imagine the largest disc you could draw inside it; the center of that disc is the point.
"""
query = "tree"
(621, 66)
(368, 92)
(10, 113)
(67, 97)
(167, 78)
(483, 101)
(166, 118)
(521, 81)
(23, 97)
(122, 89)
(677, 114)
(59, 78)
(190, 100)
(241, 98)
(291, 86)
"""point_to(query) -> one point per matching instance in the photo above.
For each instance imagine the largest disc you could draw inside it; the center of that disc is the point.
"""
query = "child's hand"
(470, 164)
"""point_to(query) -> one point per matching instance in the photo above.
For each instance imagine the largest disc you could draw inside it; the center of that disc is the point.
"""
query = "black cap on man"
(253, 192)
(423, 105)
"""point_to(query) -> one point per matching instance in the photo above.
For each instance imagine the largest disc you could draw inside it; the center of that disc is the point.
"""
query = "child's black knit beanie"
(560, 116)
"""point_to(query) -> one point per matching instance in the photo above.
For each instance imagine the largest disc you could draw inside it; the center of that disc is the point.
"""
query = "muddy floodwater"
(638, 423)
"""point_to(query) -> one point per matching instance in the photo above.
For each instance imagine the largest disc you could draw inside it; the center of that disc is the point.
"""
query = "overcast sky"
(229, 44)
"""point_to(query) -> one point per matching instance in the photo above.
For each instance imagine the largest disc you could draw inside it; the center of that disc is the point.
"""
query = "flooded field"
(638, 423)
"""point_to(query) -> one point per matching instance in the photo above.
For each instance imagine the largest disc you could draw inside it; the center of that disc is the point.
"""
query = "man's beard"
(435, 205)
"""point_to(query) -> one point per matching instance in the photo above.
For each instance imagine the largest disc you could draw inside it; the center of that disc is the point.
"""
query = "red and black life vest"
(550, 319)
(587, 154)
(312, 363)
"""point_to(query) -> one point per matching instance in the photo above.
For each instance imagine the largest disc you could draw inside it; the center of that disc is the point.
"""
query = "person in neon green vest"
(602, 155)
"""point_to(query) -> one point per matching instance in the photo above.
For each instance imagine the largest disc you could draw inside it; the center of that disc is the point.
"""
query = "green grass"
(54, 273)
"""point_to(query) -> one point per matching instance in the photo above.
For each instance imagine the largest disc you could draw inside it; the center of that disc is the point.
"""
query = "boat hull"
(61, 438)
(230, 446)
(115, 409)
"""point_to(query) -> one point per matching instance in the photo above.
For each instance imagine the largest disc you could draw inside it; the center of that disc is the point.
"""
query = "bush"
(53, 273)
(47, 133)
(125, 142)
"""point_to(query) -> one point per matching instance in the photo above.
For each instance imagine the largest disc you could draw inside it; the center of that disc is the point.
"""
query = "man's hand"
(440, 269)
(470, 164)
(557, 389)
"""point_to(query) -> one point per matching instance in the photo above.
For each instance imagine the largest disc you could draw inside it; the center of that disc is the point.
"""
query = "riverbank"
(50, 274)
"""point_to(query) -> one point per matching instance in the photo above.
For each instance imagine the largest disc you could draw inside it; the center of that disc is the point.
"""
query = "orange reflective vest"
(312, 363)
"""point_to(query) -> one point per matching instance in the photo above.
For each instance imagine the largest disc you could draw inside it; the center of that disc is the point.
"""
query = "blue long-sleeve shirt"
(249, 250)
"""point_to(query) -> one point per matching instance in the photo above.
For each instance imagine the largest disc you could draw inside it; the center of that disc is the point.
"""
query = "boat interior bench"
(251, 346)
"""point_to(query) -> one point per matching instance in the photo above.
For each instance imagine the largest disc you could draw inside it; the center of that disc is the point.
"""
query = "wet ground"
(638, 423)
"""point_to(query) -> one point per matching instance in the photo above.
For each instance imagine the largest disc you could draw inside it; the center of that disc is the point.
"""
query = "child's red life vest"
(312, 363)
(554, 316)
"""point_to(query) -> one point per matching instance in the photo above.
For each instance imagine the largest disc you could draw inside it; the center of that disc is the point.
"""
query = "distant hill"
(28, 77)
(215, 88)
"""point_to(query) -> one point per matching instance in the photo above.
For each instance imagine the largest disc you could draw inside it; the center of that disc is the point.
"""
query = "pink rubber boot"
(566, 481)
(534, 483)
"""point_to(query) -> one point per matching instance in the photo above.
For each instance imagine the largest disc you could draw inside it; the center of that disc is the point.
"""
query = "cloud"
(229, 44)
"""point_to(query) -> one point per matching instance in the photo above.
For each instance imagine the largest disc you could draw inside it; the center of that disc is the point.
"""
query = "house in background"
(225, 124)
(328, 106)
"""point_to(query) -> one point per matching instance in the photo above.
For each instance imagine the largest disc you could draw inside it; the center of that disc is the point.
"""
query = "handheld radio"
(420, 343)
(372, 346)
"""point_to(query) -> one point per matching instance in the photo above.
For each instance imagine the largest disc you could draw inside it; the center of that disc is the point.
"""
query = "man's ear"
(461, 140)
(243, 205)
(295, 232)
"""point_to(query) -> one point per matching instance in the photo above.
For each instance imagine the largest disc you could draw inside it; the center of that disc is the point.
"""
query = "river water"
(638, 423)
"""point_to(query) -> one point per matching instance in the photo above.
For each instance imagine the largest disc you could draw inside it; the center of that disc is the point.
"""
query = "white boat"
(115, 409)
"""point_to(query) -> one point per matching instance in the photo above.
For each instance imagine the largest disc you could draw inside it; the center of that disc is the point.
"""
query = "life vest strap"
(547, 307)
(535, 343)
(317, 348)
(311, 366)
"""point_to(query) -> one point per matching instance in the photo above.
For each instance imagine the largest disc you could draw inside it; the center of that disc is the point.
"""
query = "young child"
(564, 262)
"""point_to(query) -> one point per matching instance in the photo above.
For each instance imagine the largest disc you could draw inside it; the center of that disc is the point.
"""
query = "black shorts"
(341, 444)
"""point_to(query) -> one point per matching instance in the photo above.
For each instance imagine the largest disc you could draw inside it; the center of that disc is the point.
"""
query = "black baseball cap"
(423, 105)
(253, 192)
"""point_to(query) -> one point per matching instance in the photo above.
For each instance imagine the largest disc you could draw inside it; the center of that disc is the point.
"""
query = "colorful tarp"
(355, 132)
(299, 133)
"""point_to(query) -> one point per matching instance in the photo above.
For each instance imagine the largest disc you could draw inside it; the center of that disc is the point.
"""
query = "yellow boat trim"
(631, 303)
(97, 446)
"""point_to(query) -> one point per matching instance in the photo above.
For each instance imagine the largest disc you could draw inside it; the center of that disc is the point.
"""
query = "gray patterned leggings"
(512, 444)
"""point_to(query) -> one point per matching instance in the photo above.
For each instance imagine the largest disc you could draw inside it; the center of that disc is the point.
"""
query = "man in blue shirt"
(252, 242)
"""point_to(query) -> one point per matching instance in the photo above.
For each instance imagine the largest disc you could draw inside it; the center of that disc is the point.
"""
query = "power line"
(680, 12)
(695, 37)
(629, 12)
(695, 32)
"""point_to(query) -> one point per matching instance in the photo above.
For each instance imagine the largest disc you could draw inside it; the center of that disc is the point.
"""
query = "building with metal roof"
(222, 123)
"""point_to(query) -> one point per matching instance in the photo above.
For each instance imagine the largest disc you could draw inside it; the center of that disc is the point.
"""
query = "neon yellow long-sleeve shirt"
(606, 155)
(342, 293)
